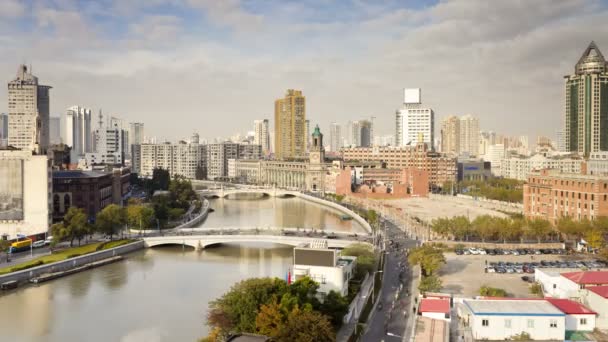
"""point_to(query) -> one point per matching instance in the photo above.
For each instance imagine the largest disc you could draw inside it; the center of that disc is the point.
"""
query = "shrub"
(536, 289)
(25, 267)
(70, 256)
(492, 292)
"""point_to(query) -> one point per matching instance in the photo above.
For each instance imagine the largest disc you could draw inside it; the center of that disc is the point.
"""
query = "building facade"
(184, 159)
(290, 126)
(440, 168)
(78, 133)
(550, 195)
(495, 154)
(25, 185)
(519, 167)
(586, 107)
(261, 130)
(474, 170)
(450, 135)
(136, 133)
(469, 135)
(54, 130)
(28, 112)
(335, 137)
(219, 156)
(110, 145)
(413, 121)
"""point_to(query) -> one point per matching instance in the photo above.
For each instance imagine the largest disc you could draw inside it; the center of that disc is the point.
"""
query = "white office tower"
(560, 139)
(469, 135)
(414, 121)
(262, 135)
(335, 137)
(495, 154)
(110, 141)
(78, 134)
(118, 123)
(28, 112)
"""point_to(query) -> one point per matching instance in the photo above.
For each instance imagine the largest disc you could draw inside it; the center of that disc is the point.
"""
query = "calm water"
(159, 294)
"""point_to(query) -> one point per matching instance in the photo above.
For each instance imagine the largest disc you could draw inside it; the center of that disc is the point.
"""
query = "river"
(160, 294)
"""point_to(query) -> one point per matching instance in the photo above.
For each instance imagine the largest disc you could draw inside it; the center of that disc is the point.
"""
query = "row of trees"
(501, 189)
(75, 225)
(492, 228)
(430, 259)
(271, 307)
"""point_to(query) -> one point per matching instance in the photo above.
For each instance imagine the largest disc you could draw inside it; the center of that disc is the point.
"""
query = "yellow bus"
(20, 246)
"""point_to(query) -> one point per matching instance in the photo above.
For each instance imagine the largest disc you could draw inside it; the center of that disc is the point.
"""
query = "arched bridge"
(201, 241)
(222, 192)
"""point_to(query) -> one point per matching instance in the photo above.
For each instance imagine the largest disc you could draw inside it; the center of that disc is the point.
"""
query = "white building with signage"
(414, 123)
(25, 185)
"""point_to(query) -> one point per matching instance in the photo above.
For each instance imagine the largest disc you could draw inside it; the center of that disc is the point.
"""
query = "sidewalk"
(347, 329)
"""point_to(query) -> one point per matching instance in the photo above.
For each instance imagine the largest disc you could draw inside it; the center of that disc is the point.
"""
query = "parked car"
(490, 270)
(515, 252)
(538, 252)
(501, 270)
(459, 252)
(474, 251)
(38, 244)
(525, 278)
(491, 252)
(482, 251)
(466, 252)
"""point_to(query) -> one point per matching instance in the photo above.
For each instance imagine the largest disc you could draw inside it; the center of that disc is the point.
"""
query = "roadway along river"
(160, 294)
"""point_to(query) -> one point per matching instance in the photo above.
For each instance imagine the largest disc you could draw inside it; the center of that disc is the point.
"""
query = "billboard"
(11, 190)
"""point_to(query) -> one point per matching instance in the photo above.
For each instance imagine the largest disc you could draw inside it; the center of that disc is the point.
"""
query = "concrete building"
(54, 130)
(325, 266)
(550, 194)
(185, 159)
(596, 298)
(28, 112)
(495, 154)
(290, 126)
(335, 137)
(474, 170)
(261, 130)
(578, 316)
(502, 319)
(413, 120)
(486, 139)
(377, 182)
(519, 167)
(560, 141)
(78, 134)
(440, 168)
(110, 143)
(25, 185)
(219, 156)
(136, 133)
(586, 106)
(3, 129)
(597, 164)
(469, 135)
(450, 135)
(384, 140)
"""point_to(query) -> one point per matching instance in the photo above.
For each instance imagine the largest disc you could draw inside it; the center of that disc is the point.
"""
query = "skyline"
(194, 60)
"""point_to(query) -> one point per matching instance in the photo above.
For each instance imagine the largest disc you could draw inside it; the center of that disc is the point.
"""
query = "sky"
(212, 67)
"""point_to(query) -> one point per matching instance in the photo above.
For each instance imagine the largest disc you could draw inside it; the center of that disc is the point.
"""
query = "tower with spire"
(317, 151)
(586, 104)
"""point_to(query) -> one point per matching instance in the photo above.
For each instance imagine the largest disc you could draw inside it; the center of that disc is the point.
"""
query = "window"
(485, 322)
(553, 323)
(507, 323)
(583, 321)
(530, 323)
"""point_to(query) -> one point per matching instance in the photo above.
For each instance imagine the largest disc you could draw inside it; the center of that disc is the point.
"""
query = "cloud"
(11, 9)
(229, 13)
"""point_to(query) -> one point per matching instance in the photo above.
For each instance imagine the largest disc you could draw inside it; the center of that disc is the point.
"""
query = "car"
(482, 251)
(499, 251)
(473, 251)
(466, 252)
(38, 244)
(490, 270)
(538, 252)
(525, 278)
(506, 252)
(501, 270)
(510, 270)
(515, 252)
(519, 269)
(459, 252)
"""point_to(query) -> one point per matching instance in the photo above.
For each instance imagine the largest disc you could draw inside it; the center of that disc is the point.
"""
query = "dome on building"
(317, 132)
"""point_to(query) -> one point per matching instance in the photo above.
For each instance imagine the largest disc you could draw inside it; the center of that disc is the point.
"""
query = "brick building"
(440, 168)
(550, 194)
(384, 183)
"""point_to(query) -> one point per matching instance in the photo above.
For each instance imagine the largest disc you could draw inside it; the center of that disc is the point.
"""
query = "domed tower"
(317, 151)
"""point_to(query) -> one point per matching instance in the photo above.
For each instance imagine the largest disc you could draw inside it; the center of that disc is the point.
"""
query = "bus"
(20, 246)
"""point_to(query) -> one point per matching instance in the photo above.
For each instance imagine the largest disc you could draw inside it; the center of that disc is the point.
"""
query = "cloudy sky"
(213, 66)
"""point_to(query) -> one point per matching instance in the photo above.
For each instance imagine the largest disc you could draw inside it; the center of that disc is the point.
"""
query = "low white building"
(554, 285)
(519, 167)
(578, 316)
(499, 319)
(25, 187)
(323, 265)
(596, 298)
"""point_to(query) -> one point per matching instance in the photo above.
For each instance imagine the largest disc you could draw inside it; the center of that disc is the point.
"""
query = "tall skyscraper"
(560, 141)
(365, 133)
(78, 133)
(262, 135)
(469, 135)
(3, 129)
(450, 135)
(414, 122)
(54, 130)
(586, 108)
(290, 125)
(306, 134)
(136, 133)
(335, 137)
(28, 112)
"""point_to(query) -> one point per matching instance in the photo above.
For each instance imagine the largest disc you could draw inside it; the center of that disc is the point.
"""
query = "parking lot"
(463, 275)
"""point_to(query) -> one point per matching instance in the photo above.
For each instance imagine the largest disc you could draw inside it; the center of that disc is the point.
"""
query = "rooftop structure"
(588, 277)
(512, 307)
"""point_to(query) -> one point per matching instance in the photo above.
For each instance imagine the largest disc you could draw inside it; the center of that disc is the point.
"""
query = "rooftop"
(78, 174)
(431, 330)
(588, 277)
(435, 305)
(599, 290)
(509, 307)
(570, 307)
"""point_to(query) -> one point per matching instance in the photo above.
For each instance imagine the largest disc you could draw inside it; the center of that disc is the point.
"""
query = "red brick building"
(384, 183)
(550, 195)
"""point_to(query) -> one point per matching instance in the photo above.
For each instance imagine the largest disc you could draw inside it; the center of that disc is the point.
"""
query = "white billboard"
(412, 95)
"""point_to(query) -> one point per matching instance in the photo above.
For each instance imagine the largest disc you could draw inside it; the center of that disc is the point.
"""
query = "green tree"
(160, 204)
(372, 218)
(335, 306)
(306, 326)
(568, 228)
(461, 227)
(428, 257)
(176, 213)
(270, 319)
(538, 228)
(366, 259)
(181, 192)
(442, 226)
(595, 238)
(139, 216)
(430, 284)
(76, 224)
(111, 220)
(160, 179)
(485, 227)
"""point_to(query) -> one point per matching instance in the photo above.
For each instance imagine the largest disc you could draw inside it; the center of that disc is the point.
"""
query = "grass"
(64, 254)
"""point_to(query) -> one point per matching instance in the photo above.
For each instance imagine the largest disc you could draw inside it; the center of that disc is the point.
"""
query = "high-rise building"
(28, 112)
(469, 135)
(3, 129)
(450, 135)
(110, 141)
(335, 137)
(414, 123)
(560, 140)
(365, 133)
(219, 155)
(262, 135)
(184, 159)
(306, 131)
(495, 154)
(54, 130)
(136, 133)
(586, 108)
(78, 133)
(290, 125)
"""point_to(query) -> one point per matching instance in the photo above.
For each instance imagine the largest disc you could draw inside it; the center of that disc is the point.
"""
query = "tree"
(488, 291)
(176, 213)
(428, 257)
(160, 179)
(484, 226)
(335, 306)
(161, 208)
(270, 319)
(306, 326)
(4, 245)
(76, 224)
(461, 227)
(595, 238)
(111, 220)
(568, 228)
(139, 216)
(366, 259)
(441, 226)
(372, 218)
(538, 228)
(430, 284)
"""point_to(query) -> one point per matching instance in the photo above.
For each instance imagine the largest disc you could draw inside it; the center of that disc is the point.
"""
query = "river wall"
(345, 210)
(26, 275)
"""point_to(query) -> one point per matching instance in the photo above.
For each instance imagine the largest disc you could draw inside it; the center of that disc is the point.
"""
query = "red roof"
(435, 305)
(570, 307)
(599, 290)
(588, 277)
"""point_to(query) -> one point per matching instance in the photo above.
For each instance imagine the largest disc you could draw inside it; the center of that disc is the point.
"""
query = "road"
(391, 319)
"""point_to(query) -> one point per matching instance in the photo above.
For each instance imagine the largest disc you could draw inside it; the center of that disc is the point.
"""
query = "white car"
(474, 251)
(37, 244)
(482, 251)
